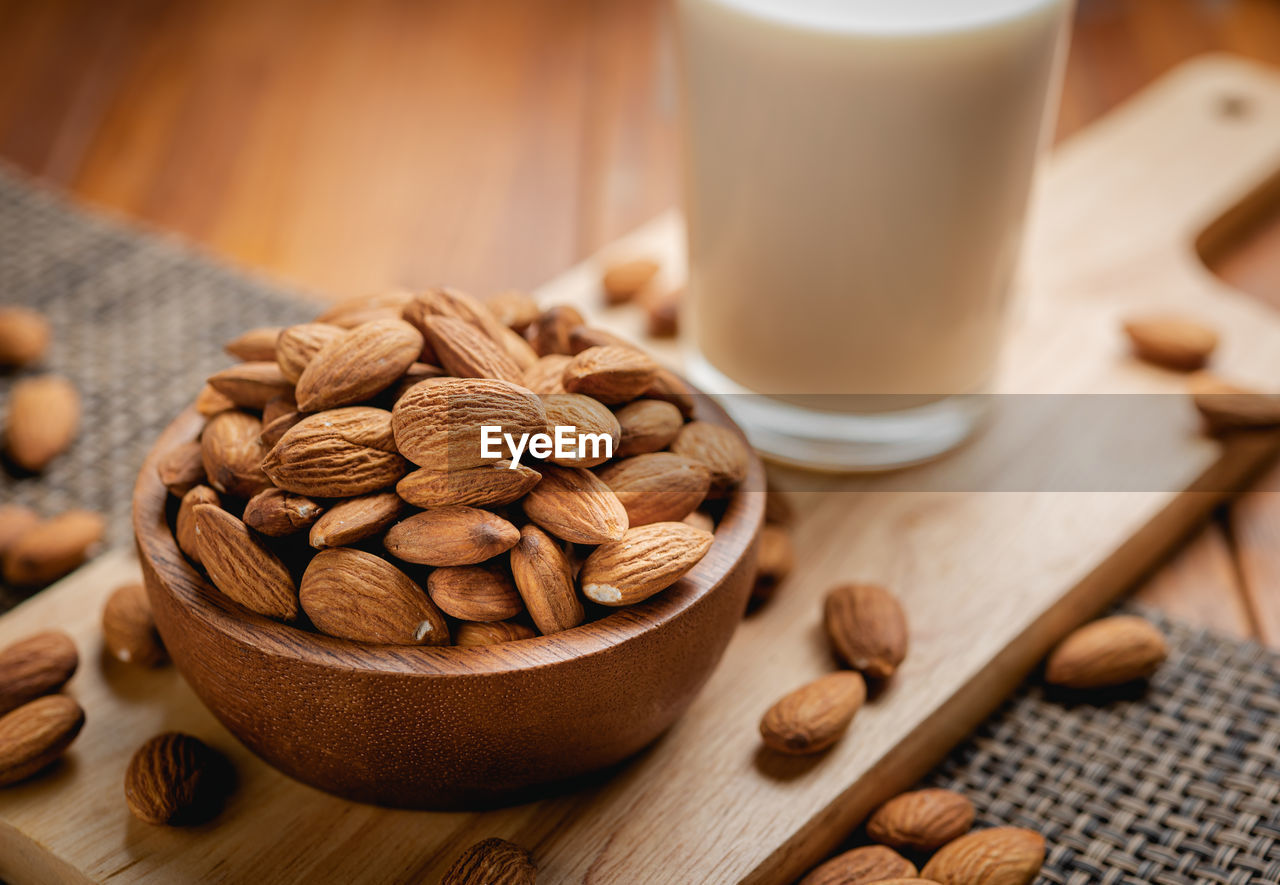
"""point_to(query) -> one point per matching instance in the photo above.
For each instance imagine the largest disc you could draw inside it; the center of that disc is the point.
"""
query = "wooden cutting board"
(990, 579)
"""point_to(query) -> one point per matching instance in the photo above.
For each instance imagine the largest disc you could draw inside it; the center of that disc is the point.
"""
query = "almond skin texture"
(52, 548)
(544, 579)
(867, 628)
(129, 631)
(231, 447)
(474, 593)
(175, 779)
(723, 451)
(658, 487)
(549, 333)
(862, 866)
(251, 385)
(472, 633)
(776, 557)
(610, 374)
(437, 423)
(492, 862)
(44, 414)
(412, 375)
(669, 387)
(352, 312)
(624, 280)
(1171, 342)
(35, 666)
(546, 376)
(451, 536)
(356, 518)
(1227, 407)
(210, 402)
(340, 453)
(277, 513)
(242, 567)
(1108, 652)
(24, 336)
(923, 820)
(350, 369)
(647, 425)
(576, 505)
(647, 560)
(184, 525)
(999, 856)
(356, 595)
(256, 345)
(584, 337)
(586, 416)
(182, 468)
(274, 432)
(814, 716)
(467, 352)
(514, 309)
(490, 485)
(35, 735)
(14, 521)
(297, 345)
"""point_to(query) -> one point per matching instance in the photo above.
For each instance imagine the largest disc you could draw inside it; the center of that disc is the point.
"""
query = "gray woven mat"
(1179, 785)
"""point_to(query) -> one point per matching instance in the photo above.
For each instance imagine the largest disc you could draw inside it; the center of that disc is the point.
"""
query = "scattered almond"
(867, 628)
(1108, 652)
(24, 336)
(999, 856)
(1172, 342)
(474, 593)
(14, 521)
(176, 779)
(455, 535)
(355, 595)
(1228, 407)
(814, 716)
(278, 513)
(624, 280)
(862, 866)
(923, 820)
(355, 519)
(645, 561)
(350, 369)
(38, 665)
(662, 312)
(44, 414)
(492, 862)
(242, 567)
(774, 560)
(35, 735)
(544, 578)
(128, 630)
(52, 548)
(576, 505)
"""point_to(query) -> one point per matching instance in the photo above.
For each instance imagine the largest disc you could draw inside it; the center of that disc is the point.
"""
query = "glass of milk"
(857, 177)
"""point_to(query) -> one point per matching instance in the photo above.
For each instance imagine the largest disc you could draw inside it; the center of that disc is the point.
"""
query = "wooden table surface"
(355, 144)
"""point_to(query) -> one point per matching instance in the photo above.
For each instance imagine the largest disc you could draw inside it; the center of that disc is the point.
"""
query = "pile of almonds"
(340, 472)
(35, 551)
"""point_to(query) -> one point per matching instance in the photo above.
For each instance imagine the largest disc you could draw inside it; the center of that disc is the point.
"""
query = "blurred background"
(347, 145)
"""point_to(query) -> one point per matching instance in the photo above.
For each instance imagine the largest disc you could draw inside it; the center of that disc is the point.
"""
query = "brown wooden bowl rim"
(734, 536)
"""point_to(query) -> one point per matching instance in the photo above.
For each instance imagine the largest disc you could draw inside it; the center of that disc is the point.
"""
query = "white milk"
(858, 173)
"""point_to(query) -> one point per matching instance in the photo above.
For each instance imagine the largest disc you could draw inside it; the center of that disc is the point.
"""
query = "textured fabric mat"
(1177, 785)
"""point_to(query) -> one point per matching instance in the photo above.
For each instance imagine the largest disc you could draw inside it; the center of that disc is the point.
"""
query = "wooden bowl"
(447, 727)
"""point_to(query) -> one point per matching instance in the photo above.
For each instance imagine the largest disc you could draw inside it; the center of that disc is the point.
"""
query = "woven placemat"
(1178, 785)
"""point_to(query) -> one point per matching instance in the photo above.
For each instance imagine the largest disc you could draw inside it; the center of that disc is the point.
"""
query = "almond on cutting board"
(1171, 342)
(355, 595)
(814, 716)
(43, 417)
(861, 866)
(1228, 407)
(454, 535)
(24, 336)
(474, 593)
(242, 566)
(38, 665)
(366, 360)
(176, 779)
(128, 629)
(622, 281)
(774, 561)
(922, 820)
(867, 628)
(999, 856)
(544, 579)
(644, 561)
(492, 862)
(14, 521)
(35, 735)
(340, 453)
(576, 505)
(1108, 652)
(52, 548)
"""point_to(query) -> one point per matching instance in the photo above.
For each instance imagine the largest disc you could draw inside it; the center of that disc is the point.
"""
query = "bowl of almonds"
(434, 552)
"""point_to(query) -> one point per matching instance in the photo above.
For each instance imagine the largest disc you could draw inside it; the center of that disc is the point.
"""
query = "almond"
(337, 454)
(438, 422)
(365, 308)
(862, 866)
(544, 579)
(355, 595)
(576, 505)
(647, 425)
(520, 350)
(669, 387)
(584, 337)
(647, 560)
(38, 665)
(722, 449)
(658, 487)
(451, 303)
(274, 431)
(210, 402)
(489, 485)
(1108, 652)
(549, 333)
(546, 376)
(412, 375)
(514, 309)
(24, 336)
(814, 716)
(14, 521)
(1172, 342)
(355, 519)
(471, 633)
(44, 414)
(585, 416)
(662, 312)
(867, 628)
(297, 345)
(366, 360)
(624, 280)
(700, 520)
(128, 630)
(455, 535)
(923, 820)
(278, 513)
(184, 524)
(255, 346)
(278, 407)
(52, 548)
(492, 862)
(999, 856)
(182, 468)
(35, 735)
(231, 447)
(251, 385)
(474, 593)
(176, 779)
(467, 352)
(774, 561)
(242, 567)
(611, 374)
(1227, 407)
